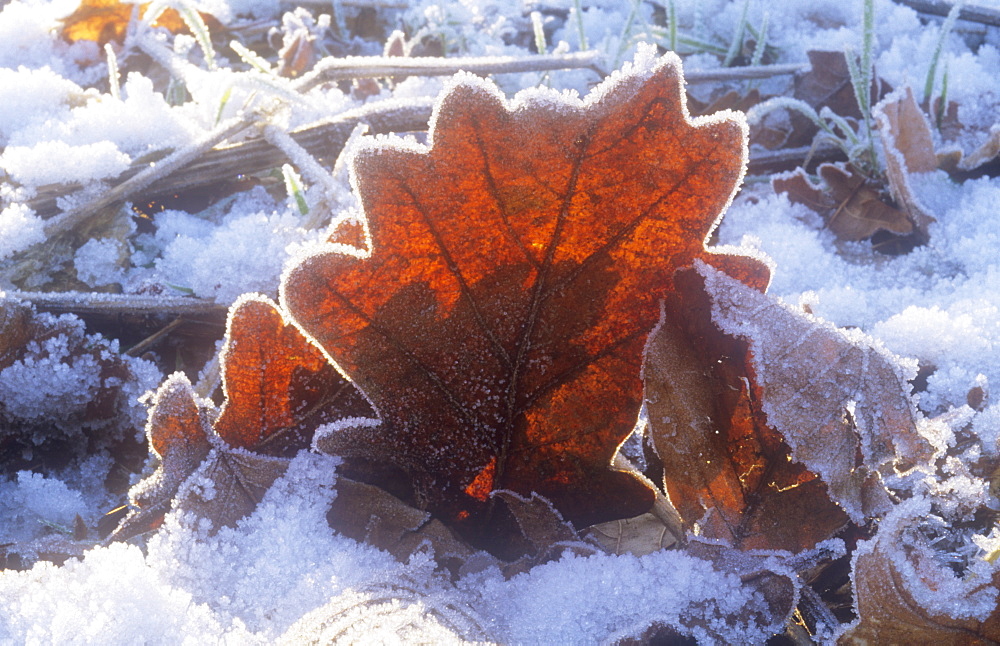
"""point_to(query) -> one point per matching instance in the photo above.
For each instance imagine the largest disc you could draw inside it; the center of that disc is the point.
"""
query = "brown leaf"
(909, 148)
(860, 211)
(800, 190)
(105, 21)
(986, 152)
(826, 84)
(641, 535)
(279, 388)
(46, 426)
(904, 594)
(497, 317)
(728, 473)
(852, 209)
(839, 399)
(368, 513)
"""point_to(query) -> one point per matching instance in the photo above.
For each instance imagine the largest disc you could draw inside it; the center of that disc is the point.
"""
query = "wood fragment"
(98, 303)
(969, 11)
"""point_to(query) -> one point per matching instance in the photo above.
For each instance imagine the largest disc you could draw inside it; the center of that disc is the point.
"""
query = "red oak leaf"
(513, 270)
(279, 388)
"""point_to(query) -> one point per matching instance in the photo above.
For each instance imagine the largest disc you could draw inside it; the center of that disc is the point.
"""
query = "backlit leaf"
(513, 271)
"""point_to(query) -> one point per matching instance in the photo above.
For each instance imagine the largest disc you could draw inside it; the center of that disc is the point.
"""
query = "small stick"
(358, 67)
(970, 12)
(743, 73)
(149, 341)
(99, 303)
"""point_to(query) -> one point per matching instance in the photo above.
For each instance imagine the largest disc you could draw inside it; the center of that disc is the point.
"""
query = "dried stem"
(970, 12)
(323, 139)
(357, 67)
(97, 303)
(743, 73)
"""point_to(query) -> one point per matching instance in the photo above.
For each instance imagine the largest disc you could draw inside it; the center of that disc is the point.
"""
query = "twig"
(743, 73)
(97, 303)
(357, 67)
(970, 12)
(774, 161)
(323, 139)
(140, 347)
(74, 217)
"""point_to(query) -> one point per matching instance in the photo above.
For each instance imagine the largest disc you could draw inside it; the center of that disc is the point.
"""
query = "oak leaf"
(726, 470)
(906, 594)
(279, 388)
(838, 398)
(909, 148)
(497, 316)
(105, 21)
(853, 209)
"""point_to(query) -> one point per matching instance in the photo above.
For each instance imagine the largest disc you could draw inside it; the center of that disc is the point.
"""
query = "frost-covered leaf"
(909, 148)
(853, 210)
(906, 593)
(65, 394)
(105, 21)
(837, 397)
(177, 437)
(402, 611)
(370, 514)
(987, 151)
(279, 388)
(498, 313)
(725, 468)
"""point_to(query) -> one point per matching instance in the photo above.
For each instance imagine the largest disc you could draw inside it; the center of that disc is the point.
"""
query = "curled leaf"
(726, 470)
(905, 594)
(279, 388)
(838, 398)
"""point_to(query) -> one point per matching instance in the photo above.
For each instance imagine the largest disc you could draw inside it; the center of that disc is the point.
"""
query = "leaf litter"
(692, 590)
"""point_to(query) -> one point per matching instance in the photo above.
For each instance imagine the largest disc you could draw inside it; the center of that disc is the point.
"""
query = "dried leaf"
(641, 535)
(909, 148)
(800, 190)
(497, 317)
(279, 388)
(105, 21)
(727, 472)
(837, 397)
(860, 210)
(904, 594)
(368, 513)
(987, 151)
(65, 394)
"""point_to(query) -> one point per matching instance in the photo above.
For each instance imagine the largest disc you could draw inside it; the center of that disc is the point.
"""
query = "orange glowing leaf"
(513, 270)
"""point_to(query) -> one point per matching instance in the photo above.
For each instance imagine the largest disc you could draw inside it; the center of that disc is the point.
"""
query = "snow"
(281, 573)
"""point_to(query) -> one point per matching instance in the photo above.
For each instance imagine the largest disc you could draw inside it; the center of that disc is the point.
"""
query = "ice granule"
(32, 500)
(56, 162)
(50, 383)
(97, 261)
(19, 229)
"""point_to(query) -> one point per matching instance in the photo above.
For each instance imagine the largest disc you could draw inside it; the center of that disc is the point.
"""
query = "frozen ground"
(939, 304)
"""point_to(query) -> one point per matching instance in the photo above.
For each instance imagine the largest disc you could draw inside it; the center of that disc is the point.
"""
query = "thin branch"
(970, 12)
(768, 162)
(154, 171)
(357, 67)
(323, 139)
(743, 73)
(98, 303)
